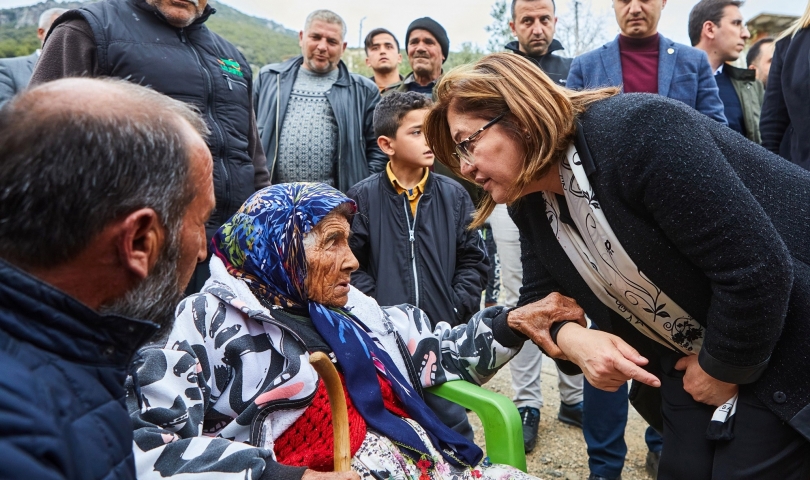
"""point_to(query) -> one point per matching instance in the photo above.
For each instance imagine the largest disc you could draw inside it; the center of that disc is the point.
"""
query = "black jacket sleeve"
(472, 263)
(261, 176)
(774, 119)
(360, 243)
(374, 156)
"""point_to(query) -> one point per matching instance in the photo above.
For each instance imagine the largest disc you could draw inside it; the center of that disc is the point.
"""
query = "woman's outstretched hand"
(606, 360)
(535, 319)
(703, 387)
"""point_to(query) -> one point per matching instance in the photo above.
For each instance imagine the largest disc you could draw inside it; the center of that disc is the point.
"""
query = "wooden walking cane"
(340, 416)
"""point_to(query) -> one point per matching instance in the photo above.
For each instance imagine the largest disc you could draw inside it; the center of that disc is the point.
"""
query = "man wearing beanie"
(427, 45)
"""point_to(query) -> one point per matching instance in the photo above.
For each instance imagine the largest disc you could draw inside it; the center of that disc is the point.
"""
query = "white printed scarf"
(613, 276)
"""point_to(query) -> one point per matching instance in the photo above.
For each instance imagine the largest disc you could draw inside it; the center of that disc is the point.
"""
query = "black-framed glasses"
(463, 147)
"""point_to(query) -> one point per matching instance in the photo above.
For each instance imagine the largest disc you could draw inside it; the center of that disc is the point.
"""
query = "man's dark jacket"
(441, 268)
(785, 120)
(62, 409)
(554, 66)
(715, 221)
(133, 40)
(749, 92)
(352, 98)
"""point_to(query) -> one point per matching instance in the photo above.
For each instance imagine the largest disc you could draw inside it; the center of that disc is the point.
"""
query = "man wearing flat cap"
(427, 45)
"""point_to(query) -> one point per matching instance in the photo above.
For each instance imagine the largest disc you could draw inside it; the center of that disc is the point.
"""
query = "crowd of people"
(179, 234)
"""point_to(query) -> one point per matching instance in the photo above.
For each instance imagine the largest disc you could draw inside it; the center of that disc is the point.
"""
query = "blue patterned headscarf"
(263, 244)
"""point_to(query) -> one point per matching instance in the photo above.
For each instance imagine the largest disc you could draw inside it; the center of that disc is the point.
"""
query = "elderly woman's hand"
(535, 319)
(606, 360)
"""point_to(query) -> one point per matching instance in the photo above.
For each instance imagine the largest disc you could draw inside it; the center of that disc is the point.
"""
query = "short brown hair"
(539, 114)
(707, 11)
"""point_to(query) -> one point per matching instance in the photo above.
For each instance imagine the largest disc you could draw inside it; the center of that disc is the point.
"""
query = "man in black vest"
(165, 45)
(533, 23)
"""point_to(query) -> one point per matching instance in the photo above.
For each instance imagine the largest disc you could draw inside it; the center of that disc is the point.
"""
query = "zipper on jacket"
(232, 81)
(412, 240)
(209, 99)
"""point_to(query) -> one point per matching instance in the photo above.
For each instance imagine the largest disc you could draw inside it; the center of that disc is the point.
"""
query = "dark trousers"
(603, 422)
(763, 446)
(451, 414)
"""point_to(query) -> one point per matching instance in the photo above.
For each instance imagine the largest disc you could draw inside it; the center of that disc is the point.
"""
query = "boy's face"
(409, 145)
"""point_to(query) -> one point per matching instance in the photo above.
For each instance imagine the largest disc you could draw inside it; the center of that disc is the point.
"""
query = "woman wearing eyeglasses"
(685, 243)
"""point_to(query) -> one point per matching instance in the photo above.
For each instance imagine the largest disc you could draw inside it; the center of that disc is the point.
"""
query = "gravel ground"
(560, 451)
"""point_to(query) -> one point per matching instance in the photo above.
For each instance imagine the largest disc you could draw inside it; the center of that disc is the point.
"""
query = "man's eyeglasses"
(463, 147)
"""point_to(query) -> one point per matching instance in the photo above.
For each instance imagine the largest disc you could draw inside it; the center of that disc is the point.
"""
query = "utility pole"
(360, 38)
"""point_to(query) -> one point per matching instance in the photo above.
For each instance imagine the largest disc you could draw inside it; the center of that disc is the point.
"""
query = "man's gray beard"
(156, 297)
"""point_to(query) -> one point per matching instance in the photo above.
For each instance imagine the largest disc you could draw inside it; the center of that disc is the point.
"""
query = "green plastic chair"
(503, 429)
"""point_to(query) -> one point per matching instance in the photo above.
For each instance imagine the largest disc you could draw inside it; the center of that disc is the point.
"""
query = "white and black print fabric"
(615, 279)
(610, 272)
(230, 379)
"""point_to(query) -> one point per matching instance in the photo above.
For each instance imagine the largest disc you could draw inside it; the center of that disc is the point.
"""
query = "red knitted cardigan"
(309, 441)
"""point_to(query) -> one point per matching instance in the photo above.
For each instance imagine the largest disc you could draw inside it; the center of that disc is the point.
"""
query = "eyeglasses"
(463, 147)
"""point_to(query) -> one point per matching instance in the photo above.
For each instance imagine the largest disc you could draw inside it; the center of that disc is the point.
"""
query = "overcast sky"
(464, 19)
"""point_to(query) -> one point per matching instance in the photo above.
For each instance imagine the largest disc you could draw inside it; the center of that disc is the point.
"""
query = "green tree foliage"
(16, 42)
(259, 40)
(499, 32)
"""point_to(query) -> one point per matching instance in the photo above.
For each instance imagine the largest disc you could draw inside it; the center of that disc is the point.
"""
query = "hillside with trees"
(261, 41)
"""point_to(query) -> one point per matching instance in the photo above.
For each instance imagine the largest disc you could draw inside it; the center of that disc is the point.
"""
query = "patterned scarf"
(616, 280)
(262, 244)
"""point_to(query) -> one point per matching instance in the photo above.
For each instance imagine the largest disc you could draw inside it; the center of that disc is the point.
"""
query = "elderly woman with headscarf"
(231, 393)
(688, 246)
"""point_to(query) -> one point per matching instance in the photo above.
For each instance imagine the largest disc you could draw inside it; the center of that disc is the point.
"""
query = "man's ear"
(512, 28)
(386, 145)
(708, 29)
(140, 241)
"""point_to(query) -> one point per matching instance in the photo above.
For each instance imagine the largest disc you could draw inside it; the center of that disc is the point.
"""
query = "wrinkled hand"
(703, 387)
(314, 475)
(535, 319)
(606, 360)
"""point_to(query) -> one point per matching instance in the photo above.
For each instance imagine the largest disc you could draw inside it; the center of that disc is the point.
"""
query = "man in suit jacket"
(15, 73)
(638, 60)
(642, 60)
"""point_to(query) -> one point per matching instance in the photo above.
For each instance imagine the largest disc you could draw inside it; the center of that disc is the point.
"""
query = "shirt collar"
(419, 188)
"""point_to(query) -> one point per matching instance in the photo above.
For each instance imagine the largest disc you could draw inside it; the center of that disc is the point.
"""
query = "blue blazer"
(684, 74)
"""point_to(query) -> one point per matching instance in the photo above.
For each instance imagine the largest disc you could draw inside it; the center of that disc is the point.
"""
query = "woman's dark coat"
(785, 118)
(715, 221)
